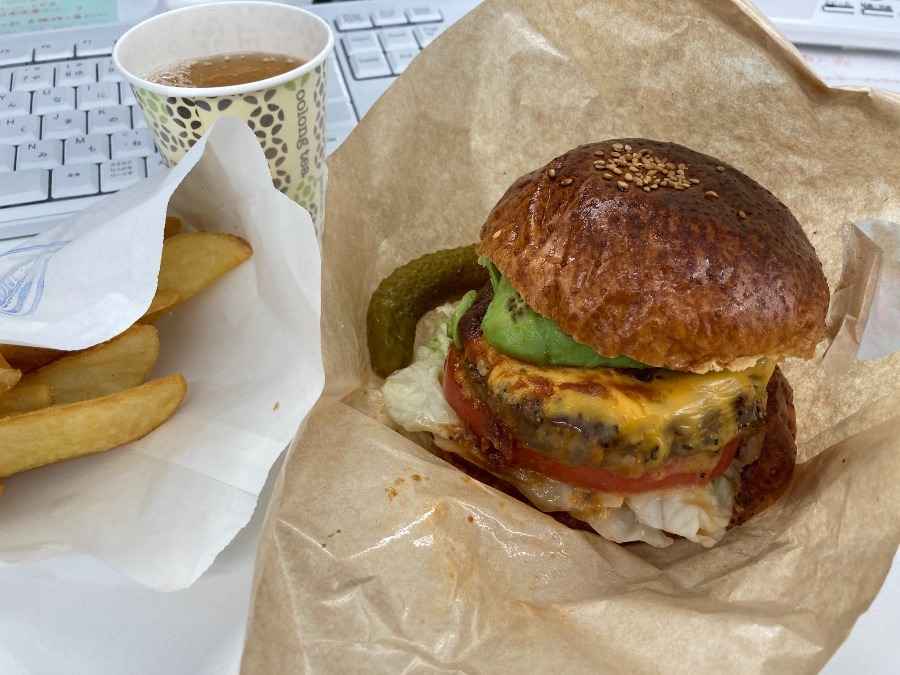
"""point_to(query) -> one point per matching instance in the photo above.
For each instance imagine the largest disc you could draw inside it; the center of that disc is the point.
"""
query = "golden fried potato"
(23, 398)
(60, 432)
(192, 261)
(125, 361)
(172, 226)
(9, 376)
(27, 359)
(162, 302)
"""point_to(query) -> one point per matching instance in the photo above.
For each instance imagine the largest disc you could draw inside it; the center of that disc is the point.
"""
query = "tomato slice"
(475, 415)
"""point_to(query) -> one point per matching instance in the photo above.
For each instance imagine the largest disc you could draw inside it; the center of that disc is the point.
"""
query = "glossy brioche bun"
(711, 274)
(765, 479)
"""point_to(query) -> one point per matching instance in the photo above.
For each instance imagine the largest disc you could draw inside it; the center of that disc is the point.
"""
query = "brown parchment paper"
(378, 557)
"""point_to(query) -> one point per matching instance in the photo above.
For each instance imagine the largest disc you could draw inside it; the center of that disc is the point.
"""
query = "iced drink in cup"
(259, 61)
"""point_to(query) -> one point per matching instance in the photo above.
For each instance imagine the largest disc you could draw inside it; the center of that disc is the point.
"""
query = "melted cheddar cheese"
(621, 421)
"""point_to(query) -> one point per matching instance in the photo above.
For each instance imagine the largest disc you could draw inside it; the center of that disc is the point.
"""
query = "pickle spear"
(403, 297)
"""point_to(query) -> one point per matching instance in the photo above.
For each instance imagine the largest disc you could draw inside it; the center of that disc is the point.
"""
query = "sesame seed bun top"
(660, 253)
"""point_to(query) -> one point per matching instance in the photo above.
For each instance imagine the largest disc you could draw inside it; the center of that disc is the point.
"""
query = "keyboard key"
(155, 164)
(339, 112)
(7, 158)
(398, 38)
(138, 121)
(65, 124)
(352, 21)
(110, 119)
(126, 94)
(88, 148)
(55, 99)
(399, 59)
(388, 17)
(29, 78)
(133, 143)
(120, 173)
(337, 88)
(426, 34)
(24, 187)
(840, 6)
(366, 66)
(93, 47)
(361, 43)
(98, 95)
(76, 73)
(106, 71)
(423, 14)
(76, 181)
(11, 56)
(53, 50)
(15, 103)
(20, 129)
(46, 154)
(877, 9)
(5, 79)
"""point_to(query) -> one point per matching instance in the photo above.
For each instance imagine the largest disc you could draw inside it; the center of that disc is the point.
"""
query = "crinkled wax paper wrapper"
(379, 557)
(160, 509)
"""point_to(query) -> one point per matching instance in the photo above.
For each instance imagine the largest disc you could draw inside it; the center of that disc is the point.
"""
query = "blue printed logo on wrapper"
(21, 291)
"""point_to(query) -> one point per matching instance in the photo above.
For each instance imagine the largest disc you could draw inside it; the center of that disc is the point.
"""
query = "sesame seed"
(552, 173)
(720, 168)
(566, 182)
(710, 195)
(741, 215)
(641, 167)
(623, 186)
(497, 234)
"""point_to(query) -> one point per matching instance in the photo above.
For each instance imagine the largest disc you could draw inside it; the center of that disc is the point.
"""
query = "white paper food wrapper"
(160, 509)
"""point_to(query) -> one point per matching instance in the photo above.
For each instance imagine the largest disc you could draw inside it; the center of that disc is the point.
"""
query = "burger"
(620, 368)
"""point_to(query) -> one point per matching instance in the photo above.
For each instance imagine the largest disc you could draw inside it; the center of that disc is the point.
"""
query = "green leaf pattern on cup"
(285, 119)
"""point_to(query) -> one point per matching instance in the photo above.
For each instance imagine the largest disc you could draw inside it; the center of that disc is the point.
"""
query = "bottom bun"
(764, 481)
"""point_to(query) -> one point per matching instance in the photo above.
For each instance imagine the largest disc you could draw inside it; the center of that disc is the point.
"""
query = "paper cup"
(287, 112)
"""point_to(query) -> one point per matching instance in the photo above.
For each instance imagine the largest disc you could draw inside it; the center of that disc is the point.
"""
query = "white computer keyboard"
(69, 131)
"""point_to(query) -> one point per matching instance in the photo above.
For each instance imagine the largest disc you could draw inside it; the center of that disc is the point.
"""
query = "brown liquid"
(224, 70)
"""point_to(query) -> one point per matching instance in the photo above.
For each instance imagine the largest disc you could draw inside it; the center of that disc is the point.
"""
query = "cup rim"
(234, 89)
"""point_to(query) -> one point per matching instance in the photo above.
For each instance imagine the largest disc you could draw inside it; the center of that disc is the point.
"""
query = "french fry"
(192, 261)
(27, 359)
(172, 226)
(66, 431)
(162, 302)
(125, 361)
(23, 398)
(9, 376)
